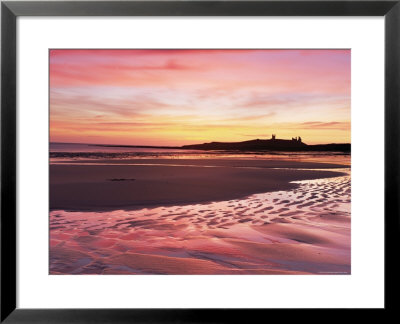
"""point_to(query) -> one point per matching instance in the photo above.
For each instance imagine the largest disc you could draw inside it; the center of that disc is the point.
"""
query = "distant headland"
(272, 144)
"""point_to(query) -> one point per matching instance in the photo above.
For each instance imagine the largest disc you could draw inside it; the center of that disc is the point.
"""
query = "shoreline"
(224, 162)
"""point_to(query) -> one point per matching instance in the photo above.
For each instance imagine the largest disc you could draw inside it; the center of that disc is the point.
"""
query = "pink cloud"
(228, 88)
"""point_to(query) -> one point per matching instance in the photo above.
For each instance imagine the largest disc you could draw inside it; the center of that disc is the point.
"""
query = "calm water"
(94, 148)
(73, 151)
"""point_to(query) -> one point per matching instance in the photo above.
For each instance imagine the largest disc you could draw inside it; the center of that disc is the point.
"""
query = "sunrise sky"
(177, 97)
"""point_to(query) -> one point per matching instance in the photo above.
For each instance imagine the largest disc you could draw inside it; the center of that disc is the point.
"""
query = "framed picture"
(196, 161)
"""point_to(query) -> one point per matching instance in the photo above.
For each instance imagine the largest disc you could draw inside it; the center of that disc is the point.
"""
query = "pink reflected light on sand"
(305, 230)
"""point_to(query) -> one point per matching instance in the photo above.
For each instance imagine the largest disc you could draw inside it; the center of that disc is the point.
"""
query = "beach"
(199, 216)
(130, 184)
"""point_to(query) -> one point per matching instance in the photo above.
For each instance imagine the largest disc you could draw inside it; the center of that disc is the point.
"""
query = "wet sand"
(133, 184)
(295, 228)
(300, 231)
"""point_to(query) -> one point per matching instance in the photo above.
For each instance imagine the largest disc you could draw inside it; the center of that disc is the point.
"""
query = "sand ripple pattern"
(301, 231)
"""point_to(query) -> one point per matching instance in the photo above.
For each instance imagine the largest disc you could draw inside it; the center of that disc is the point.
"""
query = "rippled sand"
(300, 231)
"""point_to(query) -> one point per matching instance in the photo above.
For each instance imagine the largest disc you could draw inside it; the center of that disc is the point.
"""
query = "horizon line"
(179, 146)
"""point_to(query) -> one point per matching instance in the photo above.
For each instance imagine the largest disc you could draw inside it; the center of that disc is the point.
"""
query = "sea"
(62, 152)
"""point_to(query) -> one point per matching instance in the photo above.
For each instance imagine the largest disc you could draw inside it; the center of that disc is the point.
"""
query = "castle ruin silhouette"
(294, 139)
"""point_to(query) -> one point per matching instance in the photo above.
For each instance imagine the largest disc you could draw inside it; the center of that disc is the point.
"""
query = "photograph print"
(200, 161)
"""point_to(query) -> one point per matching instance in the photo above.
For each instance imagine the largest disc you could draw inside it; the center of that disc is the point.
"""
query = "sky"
(178, 97)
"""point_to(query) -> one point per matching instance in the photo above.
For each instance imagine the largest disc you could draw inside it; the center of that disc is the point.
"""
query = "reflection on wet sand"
(305, 230)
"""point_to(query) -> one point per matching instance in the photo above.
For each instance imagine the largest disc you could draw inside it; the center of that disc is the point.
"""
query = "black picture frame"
(10, 10)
